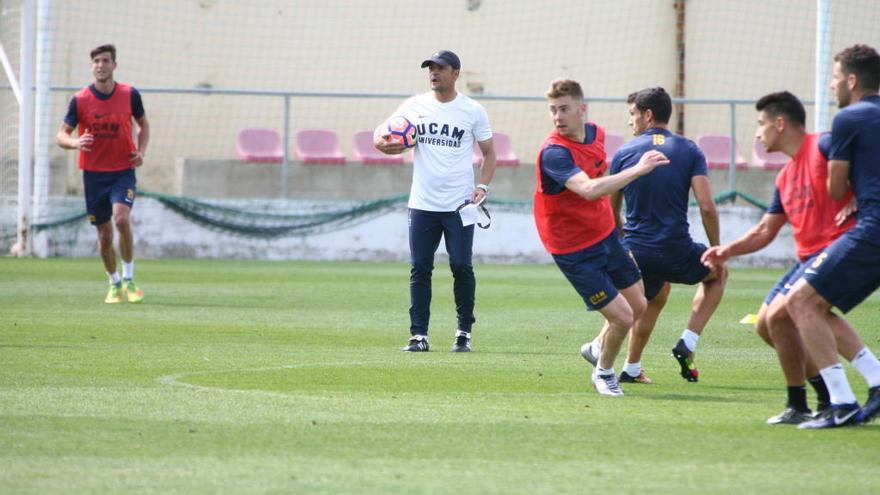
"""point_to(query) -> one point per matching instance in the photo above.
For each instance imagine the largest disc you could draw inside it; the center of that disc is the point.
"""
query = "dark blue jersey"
(557, 164)
(657, 203)
(776, 207)
(855, 137)
(137, 105)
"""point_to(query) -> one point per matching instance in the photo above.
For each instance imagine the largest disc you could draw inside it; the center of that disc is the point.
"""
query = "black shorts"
(103, 189)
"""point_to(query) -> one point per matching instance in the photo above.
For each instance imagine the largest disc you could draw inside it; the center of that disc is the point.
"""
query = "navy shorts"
(679, 265)
(103, 189)
(597, 272)
(783, 285)
(848, 271)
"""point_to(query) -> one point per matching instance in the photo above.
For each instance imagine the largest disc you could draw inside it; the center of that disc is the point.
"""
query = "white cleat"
(607, 385)
(590, 354)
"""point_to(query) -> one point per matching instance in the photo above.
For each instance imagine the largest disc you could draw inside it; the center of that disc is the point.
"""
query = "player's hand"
(84, 142)
(388, 147)
(382, 143)
(715, 257)
(137, 158)
(850, 209)
(478, 196)
(651, 160)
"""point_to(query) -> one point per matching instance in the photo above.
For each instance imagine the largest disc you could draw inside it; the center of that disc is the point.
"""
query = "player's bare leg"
(105, 246)
(809, 310)
(792, 359)
(706, 300)
(790, 348)
(761, 327)
(619, 318)
(787, 343)
(849, 344)
(619, 315)
(108, 258)
(640, 334)
(122, 220)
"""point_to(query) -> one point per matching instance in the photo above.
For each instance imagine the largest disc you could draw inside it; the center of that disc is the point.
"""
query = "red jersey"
(567, 222)
(803, 193)
(109, 121)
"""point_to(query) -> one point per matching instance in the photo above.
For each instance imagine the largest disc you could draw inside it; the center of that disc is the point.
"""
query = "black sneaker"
(685, 359)
(821, 407)
(462, 342)
(417, 343)
(641, 378)
(791, 416)
(872, 405)
(838, 415)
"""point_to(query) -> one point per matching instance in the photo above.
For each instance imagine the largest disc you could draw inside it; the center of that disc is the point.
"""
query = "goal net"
(210, 68)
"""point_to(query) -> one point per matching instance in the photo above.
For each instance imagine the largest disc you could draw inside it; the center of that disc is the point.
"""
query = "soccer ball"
(401, 131)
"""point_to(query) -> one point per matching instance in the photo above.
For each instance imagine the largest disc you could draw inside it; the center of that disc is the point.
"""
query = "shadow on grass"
(42, 346)
(749, 389)
(692, 398)
(524, 353)
(872, 428)
(201, 304)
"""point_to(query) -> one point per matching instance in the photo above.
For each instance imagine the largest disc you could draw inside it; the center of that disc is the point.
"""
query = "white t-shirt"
(443, 172)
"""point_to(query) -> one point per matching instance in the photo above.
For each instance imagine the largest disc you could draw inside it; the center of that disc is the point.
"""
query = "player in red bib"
(801, 198)
(103, 111)
(576, 224)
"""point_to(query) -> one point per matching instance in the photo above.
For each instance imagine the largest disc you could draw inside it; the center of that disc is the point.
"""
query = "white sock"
(114, 277)
(459, 333)
(690, 339)
(600, 371)
(838, 386)
(632, 369)
(128, 270)
(867, 364)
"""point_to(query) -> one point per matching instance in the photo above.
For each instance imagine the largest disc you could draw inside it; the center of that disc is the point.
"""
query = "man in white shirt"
(448, 124)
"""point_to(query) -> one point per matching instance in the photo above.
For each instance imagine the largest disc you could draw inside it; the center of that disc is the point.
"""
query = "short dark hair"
(101, 49)
(565, 87)
(864, 62)
(783, 103)
(656, 100)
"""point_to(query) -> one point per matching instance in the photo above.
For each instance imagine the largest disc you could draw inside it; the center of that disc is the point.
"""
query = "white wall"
(512, 238)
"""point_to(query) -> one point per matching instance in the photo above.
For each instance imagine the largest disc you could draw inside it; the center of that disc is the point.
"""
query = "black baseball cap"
(443, 57)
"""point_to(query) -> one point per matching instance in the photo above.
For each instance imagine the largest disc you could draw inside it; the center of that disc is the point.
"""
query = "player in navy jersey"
(847, 271)
(800, 198)
(108, 156)
(656, 228)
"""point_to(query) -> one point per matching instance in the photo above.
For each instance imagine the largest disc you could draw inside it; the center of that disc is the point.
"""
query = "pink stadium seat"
(318, 146)
(504, 154)
(363, 151)
(771, 161)
(716, 147)
(259, 145)
(613, 142)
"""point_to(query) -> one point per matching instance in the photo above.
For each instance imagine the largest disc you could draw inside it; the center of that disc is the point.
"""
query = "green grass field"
(286, 377)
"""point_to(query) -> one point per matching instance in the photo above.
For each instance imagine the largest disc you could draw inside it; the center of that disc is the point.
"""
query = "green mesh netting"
(263, 219)
(262, 222)
(731, 196)
(271, 218)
